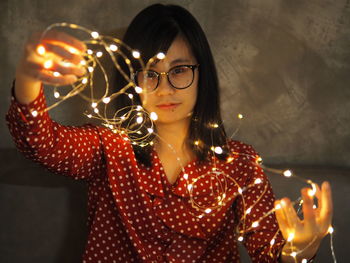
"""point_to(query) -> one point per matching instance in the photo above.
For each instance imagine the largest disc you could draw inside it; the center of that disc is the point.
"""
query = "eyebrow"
(174, 62)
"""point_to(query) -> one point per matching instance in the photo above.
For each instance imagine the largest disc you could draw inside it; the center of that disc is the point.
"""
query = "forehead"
(178, 53)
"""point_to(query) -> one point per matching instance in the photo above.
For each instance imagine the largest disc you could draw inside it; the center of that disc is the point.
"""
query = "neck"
(174, 134)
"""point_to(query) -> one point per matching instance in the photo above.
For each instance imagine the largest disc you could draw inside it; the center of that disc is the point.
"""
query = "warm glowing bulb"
(48, 64)
(106, 100)
(99, 54)
(153, 116)
(84, 80)
(73, 50)
(248, 210)
(34, 113)
(89, 51)
(94, 104)
(293, 254)
(290, 237)
(41, 50)
(259, 160)
(278, 206)
(83, 62)
(186, 176)
(272, 242)
(95, 34)
(189, 187)
(218, 150)
(150, 130)
(214, 125)
(255, 224)
(66, 64)
(257, 181)
(287, 173)
(130, 95)
(89, 116)
(196, 142)
(240, 239)
(56, 74)
(113, 47)
(56, 94)
(240, 116)
(160, 55)
(136, 54)
(138, 89)
(90, 69)
(139, 120)
(240, 190)
(96, 110)
(330, 230)
(229, 159)
(208, 210)
(304, 260)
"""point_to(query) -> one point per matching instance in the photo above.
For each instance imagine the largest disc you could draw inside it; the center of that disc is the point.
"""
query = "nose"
(164, 87)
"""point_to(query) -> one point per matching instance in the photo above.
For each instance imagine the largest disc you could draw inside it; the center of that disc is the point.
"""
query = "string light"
(145, 121)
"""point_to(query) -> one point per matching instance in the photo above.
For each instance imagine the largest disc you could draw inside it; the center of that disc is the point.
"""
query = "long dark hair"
(152, 31)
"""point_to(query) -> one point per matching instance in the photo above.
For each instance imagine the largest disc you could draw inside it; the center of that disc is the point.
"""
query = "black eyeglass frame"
(192, 67)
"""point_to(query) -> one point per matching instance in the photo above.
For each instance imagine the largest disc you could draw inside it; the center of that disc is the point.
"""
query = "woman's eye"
(150, 75)
(179, 70)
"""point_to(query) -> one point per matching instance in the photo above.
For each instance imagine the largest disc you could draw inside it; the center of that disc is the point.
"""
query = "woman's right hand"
(62, 54)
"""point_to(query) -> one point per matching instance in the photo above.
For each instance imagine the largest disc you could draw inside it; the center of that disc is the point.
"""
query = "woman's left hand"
(305, 235)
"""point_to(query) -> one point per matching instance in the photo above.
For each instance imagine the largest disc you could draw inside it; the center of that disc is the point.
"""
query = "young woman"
(154, 203)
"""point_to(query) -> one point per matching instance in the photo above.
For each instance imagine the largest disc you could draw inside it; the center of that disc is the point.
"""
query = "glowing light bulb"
(229, 159)
(240, 116)
(113, 47)
(272, 242)
(240, 190)
(248, 210)
(150, 130)
(84, 80)
(66, 64)
(278, 206)
(41, 50)
(218, 150)
(214, 125)
(138, 108)
(240, 239)
(259, 160)
(186, 176)
(189, 187)
(96, 110)
(330, 230)
(106, 100)
(290, 237)
(139, 120)
(312, 192)
(257, 181)
(56, 94)
(196, 143)
(160, 55)
(89, 51)
(293, 254)
(255, 224)
(94, 104)
(136, 54)
(208, 210)
(48, 64)
(90, 69)
(138, 89)
(34, 113)
(83, 62)
(95, 34)
(153, 116)
(73, 50)
(99, 54)
(89, 116)
(130, 95)
(287, 173)
(304, 260)
(56, 74)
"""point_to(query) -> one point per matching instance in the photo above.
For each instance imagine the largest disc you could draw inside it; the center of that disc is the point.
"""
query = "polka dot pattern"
(134, 213)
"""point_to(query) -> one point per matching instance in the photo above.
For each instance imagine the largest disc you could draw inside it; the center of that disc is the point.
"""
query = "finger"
(54, 36)
(290, 213)
(47, 78)
(308, 210)
(327, 204)
(318, 195)
(281, 219)
(63, 54)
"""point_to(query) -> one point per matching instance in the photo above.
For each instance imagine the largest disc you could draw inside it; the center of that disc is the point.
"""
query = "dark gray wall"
(284, 64)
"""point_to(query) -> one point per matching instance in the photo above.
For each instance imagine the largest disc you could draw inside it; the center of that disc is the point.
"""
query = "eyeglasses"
(179, 77)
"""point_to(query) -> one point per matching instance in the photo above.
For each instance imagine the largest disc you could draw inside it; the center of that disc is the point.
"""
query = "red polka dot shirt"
(135, 214)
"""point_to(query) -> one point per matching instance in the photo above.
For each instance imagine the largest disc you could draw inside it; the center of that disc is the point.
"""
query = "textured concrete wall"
(284, 64)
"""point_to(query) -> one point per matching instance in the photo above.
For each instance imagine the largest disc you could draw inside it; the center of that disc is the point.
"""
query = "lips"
(168, 106)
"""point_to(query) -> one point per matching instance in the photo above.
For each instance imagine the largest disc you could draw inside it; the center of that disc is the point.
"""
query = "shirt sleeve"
(257, 223)
(68, 150)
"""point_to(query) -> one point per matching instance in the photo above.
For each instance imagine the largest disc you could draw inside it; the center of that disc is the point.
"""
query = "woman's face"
(172, 105)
